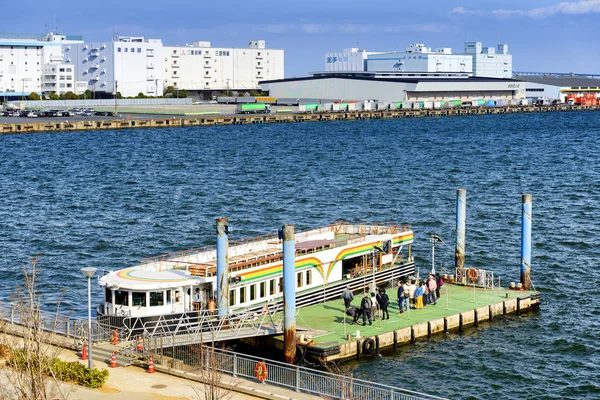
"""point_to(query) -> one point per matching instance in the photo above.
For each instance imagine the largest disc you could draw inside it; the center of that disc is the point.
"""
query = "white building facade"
(128, 65)
(26, 60)
(206, 70)
(351, 59)
(489, 61)
(418, 58)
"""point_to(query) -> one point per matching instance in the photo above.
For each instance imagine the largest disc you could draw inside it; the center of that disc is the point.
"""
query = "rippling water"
(108, 198)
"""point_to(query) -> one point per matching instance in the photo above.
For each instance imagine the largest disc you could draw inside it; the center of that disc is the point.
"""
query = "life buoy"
(368, 346)
(260, 371)
(473, 274)
(265, 310)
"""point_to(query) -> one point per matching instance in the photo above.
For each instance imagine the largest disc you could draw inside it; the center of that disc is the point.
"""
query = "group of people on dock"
(417, 295)
(411, 293)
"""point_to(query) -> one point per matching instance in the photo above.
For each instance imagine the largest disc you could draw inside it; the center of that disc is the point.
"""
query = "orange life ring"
(260, 371)
(473, 274)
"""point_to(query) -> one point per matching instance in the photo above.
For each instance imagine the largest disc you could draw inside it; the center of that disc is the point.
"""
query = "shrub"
(66, 371)
(53, 96)
(34, 96)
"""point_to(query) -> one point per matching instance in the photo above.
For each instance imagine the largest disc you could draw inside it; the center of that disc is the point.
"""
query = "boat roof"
(196, 266)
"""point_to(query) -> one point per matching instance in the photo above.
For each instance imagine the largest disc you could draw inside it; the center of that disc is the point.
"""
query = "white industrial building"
(552, 87)
(129, 65)
(490, 61)
(351, 59)
(397, 88)
(419, 58)
(30, 63)
(476, 60)
(205, 70)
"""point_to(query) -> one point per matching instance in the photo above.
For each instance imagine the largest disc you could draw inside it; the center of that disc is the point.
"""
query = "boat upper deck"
(187, 267)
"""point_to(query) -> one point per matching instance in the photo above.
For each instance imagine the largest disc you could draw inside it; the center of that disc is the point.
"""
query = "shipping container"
(250, 108)
(267, 100)
(308, 108)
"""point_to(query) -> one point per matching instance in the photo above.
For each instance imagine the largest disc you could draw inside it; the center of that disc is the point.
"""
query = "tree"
(34, 96)
(71, 96)
(170, 90)
(182, 94)
(119, 95)
(86, 95)
(53, 96)
(141, 95)
(31, 377)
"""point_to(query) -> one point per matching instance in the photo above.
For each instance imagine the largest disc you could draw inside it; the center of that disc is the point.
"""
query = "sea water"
(108, 198)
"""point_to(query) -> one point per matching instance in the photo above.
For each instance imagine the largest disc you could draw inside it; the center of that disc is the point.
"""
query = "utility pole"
(156, 88)
(116, 91)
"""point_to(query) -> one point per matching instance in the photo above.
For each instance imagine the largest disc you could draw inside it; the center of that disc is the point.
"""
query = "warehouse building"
(476, 60)
(398, 88)
(127, 64)
(551, 87)
(205, 71)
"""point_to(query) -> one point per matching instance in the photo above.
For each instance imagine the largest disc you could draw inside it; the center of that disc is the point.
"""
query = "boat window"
(252, 292)
(299, 279)
(272, 287)
(263, 289)
(138, 299)
(242, 294)
(157, 299)
(108, 295)
(308, 277)
(232, 297)
(280, 285)
(168, 296)
(121, 298)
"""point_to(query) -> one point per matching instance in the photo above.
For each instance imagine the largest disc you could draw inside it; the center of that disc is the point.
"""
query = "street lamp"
(433, 240)
(88, 272)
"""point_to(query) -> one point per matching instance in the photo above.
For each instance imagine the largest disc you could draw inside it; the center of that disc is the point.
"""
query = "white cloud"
(464, 11)
(565, 7)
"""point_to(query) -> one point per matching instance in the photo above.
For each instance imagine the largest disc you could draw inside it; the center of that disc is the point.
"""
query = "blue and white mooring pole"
(289, 293)
(222, 266)
(461, 222)
(526, 242)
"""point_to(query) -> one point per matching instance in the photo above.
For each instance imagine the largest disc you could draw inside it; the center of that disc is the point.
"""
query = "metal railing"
(203, 360)
(485, 278)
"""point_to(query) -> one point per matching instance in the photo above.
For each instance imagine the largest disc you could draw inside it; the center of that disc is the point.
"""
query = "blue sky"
(550, 36)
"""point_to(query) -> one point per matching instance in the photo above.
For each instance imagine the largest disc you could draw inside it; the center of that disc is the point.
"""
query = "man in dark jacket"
(384, 301)
(365, 306)
(355, 313)
(347, 296)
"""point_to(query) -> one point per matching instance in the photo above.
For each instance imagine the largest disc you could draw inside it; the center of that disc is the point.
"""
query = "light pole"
(434, 239)
(88, 272)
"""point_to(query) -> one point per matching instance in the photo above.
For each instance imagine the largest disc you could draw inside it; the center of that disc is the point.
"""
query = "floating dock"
(333, 338)
(212, 120)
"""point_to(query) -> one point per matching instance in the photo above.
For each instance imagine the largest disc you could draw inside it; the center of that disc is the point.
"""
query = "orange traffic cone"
(115, 337)
(84, 352)
(113, 361)
(140, 344)
(150, 365)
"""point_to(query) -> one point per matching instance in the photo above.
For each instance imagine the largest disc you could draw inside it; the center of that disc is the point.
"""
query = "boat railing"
(339, 228)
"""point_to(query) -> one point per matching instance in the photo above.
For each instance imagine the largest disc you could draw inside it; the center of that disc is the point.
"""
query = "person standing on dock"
(432, 286)
(197, 302)
(411, 293)
(347, 296)
(439, 281)
(365, 305)
(419, 295)
(384, 301)
(400, 297)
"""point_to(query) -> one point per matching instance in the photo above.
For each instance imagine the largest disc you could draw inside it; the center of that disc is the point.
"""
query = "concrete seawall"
(168, 122)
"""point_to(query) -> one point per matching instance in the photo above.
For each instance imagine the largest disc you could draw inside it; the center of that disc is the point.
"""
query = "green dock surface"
(325, 321)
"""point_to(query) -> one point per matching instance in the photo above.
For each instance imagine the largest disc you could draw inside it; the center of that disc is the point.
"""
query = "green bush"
(73, 371)
(34, 96)
(66, 371)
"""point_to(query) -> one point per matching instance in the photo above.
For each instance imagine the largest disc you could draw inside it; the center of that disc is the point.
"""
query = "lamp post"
(88, 272)
(434, 239)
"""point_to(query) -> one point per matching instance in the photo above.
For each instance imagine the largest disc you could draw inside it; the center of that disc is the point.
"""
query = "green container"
(253, 107)
(457, 103)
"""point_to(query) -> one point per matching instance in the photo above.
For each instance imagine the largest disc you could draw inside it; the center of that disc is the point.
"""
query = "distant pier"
(212, 120)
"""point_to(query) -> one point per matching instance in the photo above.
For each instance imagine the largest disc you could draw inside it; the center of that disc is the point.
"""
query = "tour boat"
(327, 260)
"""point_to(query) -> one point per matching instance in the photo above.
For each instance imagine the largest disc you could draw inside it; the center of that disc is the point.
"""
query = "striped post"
(222, 266)
(289, 293)
(461, 221)
(526, 242)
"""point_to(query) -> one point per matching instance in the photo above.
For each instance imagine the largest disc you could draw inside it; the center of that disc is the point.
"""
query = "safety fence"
(205, 361)
(475, 277)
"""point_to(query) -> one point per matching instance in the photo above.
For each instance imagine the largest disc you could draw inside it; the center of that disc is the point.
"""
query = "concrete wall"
(98, 103)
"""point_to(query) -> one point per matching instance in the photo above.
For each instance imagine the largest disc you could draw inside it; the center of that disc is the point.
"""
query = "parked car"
(86, 113)
(5, 114)
(32, 115)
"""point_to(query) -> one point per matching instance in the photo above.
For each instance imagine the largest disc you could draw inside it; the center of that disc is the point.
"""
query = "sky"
(543, 36)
